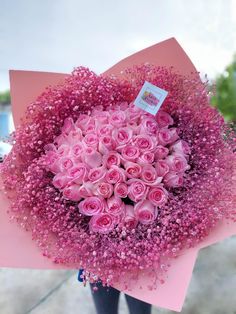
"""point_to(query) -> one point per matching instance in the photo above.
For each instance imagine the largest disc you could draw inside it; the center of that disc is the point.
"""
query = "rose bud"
(115, 206)
(79, 173)
(104, 130)
(163, 119)
(158, 195)
(52, 161)
(96, 174)
(64, 150)
(65, 163)
(161, 152)
(132, 169)
(74, 136)
(117, 118)
(77, 150)
(111, 159)
(106, 144)
(91, 140)
(103, 189)
(162, 168)
(145, 212)
(82, 121)
(122, 136)
(60, 181)
(91, 157)
(68, 126)
(92, 205)
(144, 142)
(165, 136)
(129, 219)
(72, 193)
(115, 175)
(180, 147)
(146, 157)
(177, 163)
(130, 152)
(149, 126)
(86, 189)
(121, 190)
(137, 189)
(173, 179)
(102, 223)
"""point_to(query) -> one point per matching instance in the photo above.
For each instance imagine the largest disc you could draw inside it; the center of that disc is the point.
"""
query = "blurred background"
(59, 35)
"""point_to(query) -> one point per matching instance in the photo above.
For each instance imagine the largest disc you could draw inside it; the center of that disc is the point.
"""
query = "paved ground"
(211, 291)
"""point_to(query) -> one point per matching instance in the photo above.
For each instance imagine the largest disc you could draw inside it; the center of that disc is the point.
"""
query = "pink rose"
(64, 150)
(91, 157)
(144, 142)
(122, 136)
(129, 219)
(180, 147)
(173, 179)
(177, 163)
(134, 113)
(106, 144)
(158, 196)
(132, 169)
(115, 175)
(74, 136)
(61, 139)
(86, 189)
(163, 119)
(72, 193)
(104, 130)
(117, 118)
(77, 150)
(162, 168)
(82, 121)
(111, 159)
(102, 223)
(137, 190)
(149, 175)
(161, 152)
(167, 136)
(101, 116)
(146, 157)
(65, 163)
(124, 105)
(97, 110)
(104, 189)
(149, 126)
(115, 206)
(78, 173)
(68, 126)
(90, 128)
(96, 174)
(52, 161)
(145, 212)
(60, 181)
(91, 140)
(121, 190)
(92, 205)
(130, 152)
(50, 148)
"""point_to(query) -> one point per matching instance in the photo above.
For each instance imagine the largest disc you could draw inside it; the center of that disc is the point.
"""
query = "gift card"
(150, 98)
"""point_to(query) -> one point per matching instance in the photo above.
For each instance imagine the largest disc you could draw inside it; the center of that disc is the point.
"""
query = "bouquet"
(120, 189)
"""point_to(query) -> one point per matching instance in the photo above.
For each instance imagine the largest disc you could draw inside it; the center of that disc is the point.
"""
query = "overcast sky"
(58, 35)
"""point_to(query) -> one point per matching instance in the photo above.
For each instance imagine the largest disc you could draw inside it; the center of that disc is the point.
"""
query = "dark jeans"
(106, 301)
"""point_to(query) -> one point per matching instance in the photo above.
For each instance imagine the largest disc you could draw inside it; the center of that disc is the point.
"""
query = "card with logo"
(150, 98)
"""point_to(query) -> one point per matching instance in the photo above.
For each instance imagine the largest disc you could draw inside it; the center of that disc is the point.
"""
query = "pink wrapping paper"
(17, 250)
